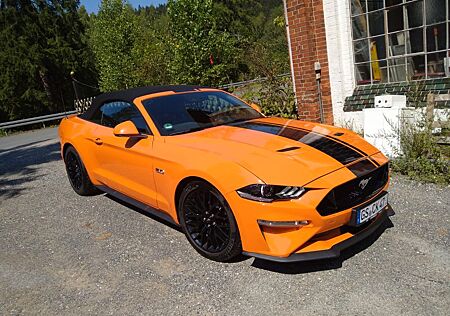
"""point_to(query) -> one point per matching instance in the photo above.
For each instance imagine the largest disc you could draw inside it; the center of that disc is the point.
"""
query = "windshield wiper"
(194, 129)
(236, 121)
(241, 120)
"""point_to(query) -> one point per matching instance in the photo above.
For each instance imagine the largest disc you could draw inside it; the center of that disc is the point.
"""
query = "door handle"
(98, 141)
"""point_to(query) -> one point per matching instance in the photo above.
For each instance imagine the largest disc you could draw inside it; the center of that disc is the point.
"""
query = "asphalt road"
(65, 254)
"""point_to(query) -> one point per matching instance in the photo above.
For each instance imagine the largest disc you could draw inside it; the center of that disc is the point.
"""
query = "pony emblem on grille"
(364, 183)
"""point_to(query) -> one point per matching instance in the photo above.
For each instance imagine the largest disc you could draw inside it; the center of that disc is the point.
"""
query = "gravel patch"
(65, 254)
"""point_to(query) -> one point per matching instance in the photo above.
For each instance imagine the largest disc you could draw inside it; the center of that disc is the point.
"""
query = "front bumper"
(324, 236)
(335, 250)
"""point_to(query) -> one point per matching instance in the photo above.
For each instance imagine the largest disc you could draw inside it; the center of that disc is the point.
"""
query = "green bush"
(275, 96)
(421, 158)
(423, 169)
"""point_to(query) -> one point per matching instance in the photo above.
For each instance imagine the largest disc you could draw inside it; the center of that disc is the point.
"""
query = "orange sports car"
(236, 182)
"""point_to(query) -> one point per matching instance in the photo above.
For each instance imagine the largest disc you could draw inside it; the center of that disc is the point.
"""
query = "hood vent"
(283, 150)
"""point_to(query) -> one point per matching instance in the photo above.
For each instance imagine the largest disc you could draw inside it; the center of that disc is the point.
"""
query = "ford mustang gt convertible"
(235, 181)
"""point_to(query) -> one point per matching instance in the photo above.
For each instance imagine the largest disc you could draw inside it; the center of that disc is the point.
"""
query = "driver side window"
(112, 113)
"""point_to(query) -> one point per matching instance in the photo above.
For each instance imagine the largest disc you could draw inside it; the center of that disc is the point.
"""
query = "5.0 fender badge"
(160, 171)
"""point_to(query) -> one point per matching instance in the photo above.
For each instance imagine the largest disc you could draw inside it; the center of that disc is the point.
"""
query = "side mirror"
(126, 129)
(256, 107)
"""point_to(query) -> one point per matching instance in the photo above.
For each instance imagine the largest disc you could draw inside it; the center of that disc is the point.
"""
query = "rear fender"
(77, 133)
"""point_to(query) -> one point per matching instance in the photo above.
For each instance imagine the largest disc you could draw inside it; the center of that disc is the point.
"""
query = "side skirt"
(142, 206)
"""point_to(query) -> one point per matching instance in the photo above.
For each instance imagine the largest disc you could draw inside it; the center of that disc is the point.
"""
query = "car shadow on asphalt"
(145, 213)
(23, 146)
(325, 264)
(285, 268)
(19, 166)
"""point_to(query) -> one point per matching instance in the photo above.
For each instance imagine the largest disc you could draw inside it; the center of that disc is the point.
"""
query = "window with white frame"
(400, 40)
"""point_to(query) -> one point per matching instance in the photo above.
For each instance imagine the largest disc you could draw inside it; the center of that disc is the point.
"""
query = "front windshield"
(188, 112)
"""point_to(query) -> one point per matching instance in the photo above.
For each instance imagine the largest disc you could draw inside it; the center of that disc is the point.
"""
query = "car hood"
(281, 151)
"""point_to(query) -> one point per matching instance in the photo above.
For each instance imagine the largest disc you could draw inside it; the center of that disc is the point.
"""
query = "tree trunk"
(48, 91)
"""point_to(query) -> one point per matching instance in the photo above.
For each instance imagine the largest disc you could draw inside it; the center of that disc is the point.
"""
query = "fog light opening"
(282, 223)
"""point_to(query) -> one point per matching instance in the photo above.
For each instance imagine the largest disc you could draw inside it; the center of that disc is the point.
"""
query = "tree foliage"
(260, 29)
(202, 54)
(151, 53)
(113, 36)
(40, 43)
(202, 42)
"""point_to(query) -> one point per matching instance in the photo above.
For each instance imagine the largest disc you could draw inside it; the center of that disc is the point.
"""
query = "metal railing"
(36, 120)
(81, 105)
(244, 83)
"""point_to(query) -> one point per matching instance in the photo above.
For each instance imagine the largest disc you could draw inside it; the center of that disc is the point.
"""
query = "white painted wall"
(340, 60)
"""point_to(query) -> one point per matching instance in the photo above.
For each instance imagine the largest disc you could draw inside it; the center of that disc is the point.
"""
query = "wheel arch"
(241, 178)
(181, 185)
(66, 146)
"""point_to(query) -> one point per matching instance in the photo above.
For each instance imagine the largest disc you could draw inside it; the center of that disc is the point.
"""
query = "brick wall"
(308, 45)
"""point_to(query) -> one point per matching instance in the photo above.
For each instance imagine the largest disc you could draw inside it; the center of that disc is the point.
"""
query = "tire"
(76, 172)
(208, 222)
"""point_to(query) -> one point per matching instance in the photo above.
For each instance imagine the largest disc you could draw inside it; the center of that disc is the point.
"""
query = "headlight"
(270, 193)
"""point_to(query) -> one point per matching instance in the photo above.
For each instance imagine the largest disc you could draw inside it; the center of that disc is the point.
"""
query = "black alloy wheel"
(77, 174)
(208, 222)
(74, 170)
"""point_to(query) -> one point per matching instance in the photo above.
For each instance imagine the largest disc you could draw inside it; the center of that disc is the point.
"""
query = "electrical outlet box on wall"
(390, 101)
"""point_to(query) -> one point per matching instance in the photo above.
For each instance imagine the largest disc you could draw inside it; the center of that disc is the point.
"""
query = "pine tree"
(40, 44)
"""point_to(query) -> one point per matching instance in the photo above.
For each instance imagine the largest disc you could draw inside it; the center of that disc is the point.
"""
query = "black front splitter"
(334, 251)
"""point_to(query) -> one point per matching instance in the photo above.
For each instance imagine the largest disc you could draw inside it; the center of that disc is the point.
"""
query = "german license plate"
(368, 212)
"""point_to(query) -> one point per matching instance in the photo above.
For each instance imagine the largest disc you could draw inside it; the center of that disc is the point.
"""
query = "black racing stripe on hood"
(329, 146)
(362, 167)
(333, 138)
(346, 144)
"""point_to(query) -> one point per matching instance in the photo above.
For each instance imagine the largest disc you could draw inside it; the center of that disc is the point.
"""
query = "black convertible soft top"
(129, 95)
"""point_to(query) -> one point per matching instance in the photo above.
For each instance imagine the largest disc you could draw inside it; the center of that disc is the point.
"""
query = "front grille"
(354, 192)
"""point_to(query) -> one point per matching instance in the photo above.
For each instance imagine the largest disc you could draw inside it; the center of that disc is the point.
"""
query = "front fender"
(225, 175)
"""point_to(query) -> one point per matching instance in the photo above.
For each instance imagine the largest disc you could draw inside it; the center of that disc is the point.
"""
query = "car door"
(125, 164)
